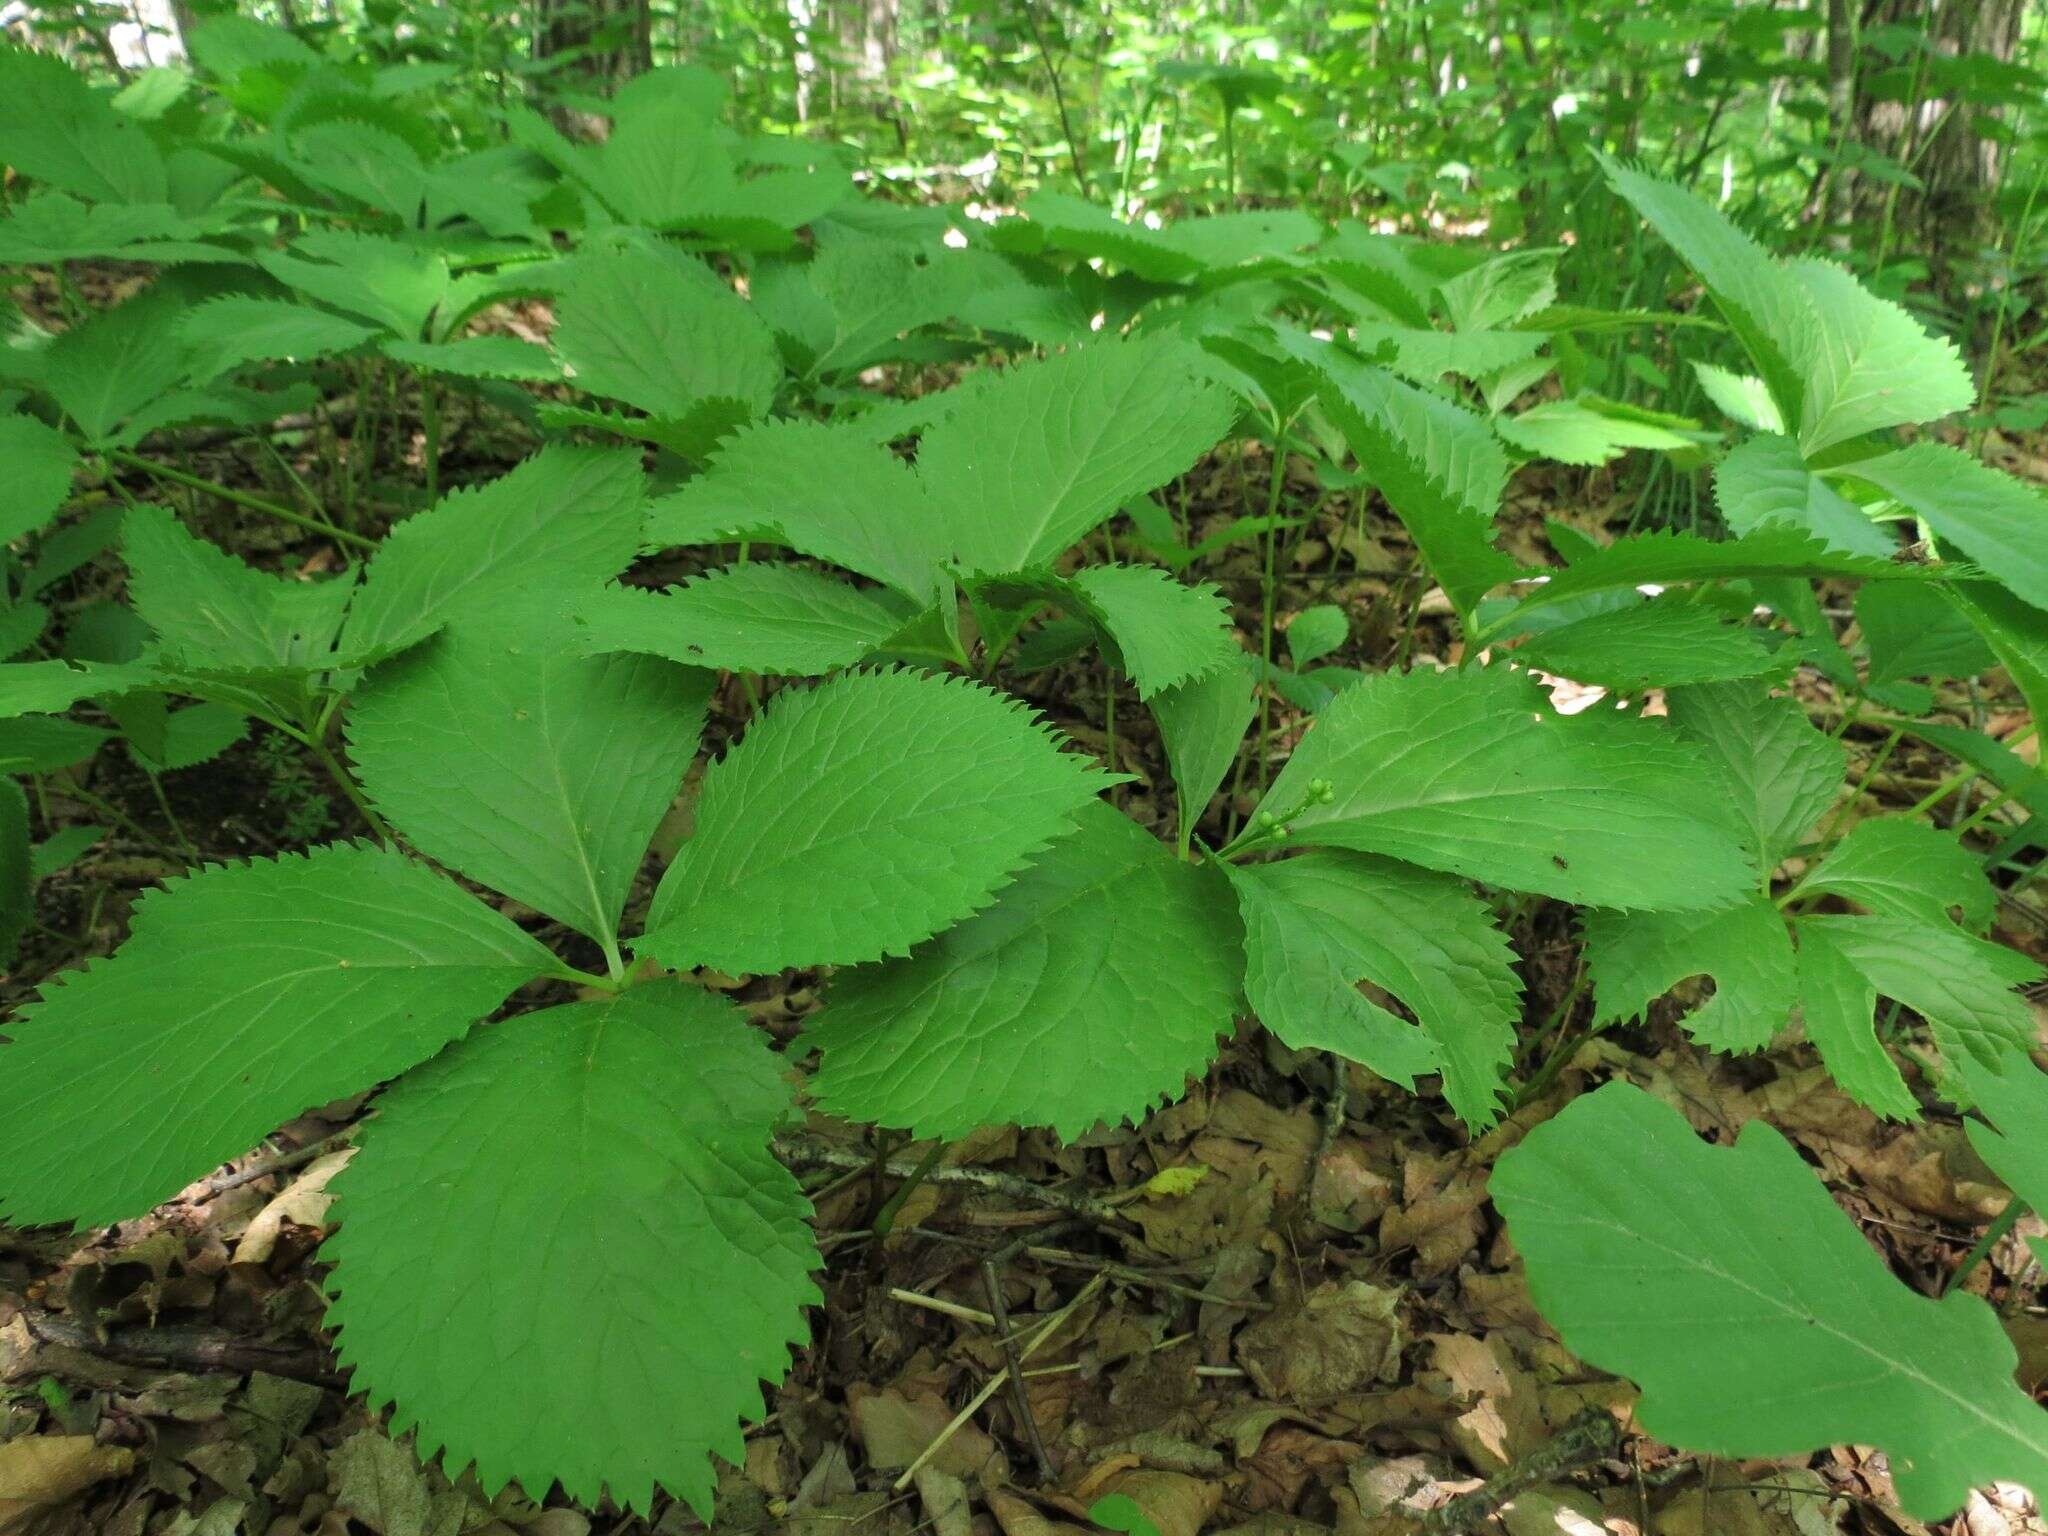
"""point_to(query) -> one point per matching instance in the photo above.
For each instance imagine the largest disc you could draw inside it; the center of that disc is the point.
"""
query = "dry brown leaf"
(1439, 1215)
(303, 1202)
(1177, 1504)
(1505, 1420)
(40, 1472)
(895, 1427)
(1337, 1339)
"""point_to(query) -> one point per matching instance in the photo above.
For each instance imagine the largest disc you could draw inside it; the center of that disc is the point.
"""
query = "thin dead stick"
(1013, 1367)
(803, 1152)
(949, 1308)
(1060, 1258)
(277, 1162)
(183, 1347)
(1590, 1436)
(995, 1383)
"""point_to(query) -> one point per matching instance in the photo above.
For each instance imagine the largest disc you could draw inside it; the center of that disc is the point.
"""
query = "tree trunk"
(1841, 179)
(608, 41)
(1933, 135)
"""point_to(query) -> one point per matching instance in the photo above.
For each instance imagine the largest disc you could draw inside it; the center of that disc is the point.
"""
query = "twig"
(803, 1152)
(277, 1162)
(184, 1347)
(1135, 1276)
(1592, 1435)
(941, 1305)
(995, 1383)
(1020, 1399)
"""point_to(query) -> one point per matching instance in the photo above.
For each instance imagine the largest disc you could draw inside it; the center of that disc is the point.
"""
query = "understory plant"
(566, 1250)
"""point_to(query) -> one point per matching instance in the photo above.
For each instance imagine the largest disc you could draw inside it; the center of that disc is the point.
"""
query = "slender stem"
(1269, 583)
(2015, 1208)
(346, 783)
(430, 426)
(163, 803)
(238, 498)
(1560, 1020)
(885, 1218)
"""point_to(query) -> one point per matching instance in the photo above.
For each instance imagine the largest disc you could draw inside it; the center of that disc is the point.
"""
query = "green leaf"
(1777, 773)
(48, 687)
(1960, 984)
(539, 774)
(1668, 559)
(1315, 632)
(50, 228)
(476, 357)
(46, 743)
(826, 491)
(605, 1262)
(1425, 354)
(245, 994)
(566, 519)
(107, 367)
(2017, 634)
(1663, 643)
(1473, 773)
(1835, 1004)
(1765, 306)
(1096, 986)
(1758, 1322)
(1439, 466)
(64, 848)
(1202, 725)
(1999, 522)
(2015, 1103)
(1634, 958)
(1917, 629)
(236, 329)
(17, 870)
(1033, 459)
(212, 613)
(1316, 924)
(771, 619)
(1075, 225)
(1741, 396)
(393, 285)
(191, 736)
(642, 327)
(1901, 868)
(1866, 364)
(1765, 481)
(40, 462)
(1165, 633)
(1574, 432)
(858, 818)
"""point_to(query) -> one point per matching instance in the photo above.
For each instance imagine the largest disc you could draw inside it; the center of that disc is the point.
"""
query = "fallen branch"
(184, 1348)
(1590, 1436)
(805, 1152)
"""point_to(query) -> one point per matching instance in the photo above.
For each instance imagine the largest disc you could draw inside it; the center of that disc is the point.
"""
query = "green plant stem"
(565, 972)
(163, 803)
(1229, 157)
(2015, 1208)
(885, 1218)
(430, 428)
(346, 783)
(238, 498)
(1559, 1020)
(1269, 596)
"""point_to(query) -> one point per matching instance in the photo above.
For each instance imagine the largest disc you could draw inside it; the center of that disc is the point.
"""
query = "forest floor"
(1279, 1307)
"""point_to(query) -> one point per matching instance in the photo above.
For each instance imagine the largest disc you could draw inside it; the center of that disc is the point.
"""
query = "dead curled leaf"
(303, 1202)
(1338, 1338)
(40, 1472)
